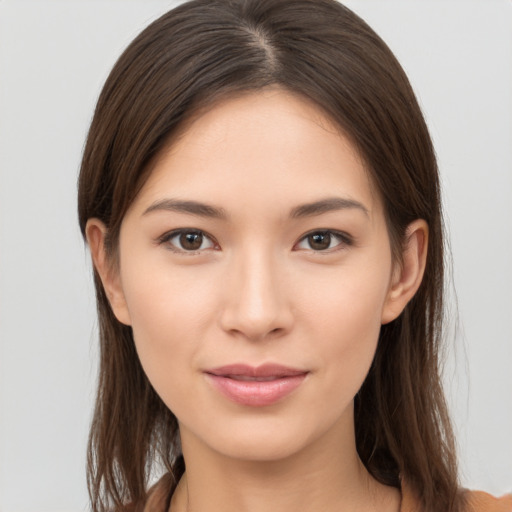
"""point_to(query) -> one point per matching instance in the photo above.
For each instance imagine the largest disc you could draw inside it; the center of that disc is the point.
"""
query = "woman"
(260, 195)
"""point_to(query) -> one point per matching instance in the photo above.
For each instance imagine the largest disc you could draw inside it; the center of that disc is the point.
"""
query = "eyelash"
(167, 237)
(344, 240)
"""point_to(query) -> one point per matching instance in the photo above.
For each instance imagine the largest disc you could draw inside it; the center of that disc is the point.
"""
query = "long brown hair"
(193, 55)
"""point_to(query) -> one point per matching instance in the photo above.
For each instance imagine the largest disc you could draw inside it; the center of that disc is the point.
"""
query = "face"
(255, 270)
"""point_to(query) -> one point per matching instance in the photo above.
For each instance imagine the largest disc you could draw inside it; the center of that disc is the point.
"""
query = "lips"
(255, 386)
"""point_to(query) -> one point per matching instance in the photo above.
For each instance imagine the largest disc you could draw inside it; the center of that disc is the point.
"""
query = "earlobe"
(96, 231)
(407, 277)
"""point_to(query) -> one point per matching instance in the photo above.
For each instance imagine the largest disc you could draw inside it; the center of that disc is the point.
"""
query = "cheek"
(348, 300)
(170, 314)
(345, 321)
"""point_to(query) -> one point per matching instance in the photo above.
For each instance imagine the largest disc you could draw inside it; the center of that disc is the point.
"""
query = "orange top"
(478, 501)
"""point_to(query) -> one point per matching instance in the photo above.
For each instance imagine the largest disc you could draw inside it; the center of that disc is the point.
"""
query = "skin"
(259, 290)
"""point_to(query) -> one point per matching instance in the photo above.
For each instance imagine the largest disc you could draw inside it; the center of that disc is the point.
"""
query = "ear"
(407, 276)
(96, 232)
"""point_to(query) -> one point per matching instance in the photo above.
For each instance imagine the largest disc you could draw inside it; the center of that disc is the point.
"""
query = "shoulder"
(479, 501)
(474, 501)
(157, 499)
(159, 496)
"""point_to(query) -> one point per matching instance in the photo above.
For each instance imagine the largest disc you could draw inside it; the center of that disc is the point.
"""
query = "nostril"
(275, 333)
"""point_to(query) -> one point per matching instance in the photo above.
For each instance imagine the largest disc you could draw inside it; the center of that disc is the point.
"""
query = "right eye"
(187, 240)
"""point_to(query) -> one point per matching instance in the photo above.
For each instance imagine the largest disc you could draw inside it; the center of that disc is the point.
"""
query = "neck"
(317, 478)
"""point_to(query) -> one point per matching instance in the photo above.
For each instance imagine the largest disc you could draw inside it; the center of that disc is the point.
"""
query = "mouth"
(256, 386)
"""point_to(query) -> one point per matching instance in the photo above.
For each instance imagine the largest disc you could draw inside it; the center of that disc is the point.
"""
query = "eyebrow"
(304, 210)
(327, 205)
(191, 207)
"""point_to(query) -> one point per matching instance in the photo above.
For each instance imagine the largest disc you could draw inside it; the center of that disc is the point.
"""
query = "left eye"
(322, 241)
(188, 241)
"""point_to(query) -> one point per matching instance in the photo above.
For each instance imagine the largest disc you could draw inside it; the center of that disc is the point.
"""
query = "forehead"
(268, 147)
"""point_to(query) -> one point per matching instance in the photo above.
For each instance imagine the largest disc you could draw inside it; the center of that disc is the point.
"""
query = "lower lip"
(256, 393)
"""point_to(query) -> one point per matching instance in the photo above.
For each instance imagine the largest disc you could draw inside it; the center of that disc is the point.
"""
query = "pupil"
(320, 241)
(191, 241)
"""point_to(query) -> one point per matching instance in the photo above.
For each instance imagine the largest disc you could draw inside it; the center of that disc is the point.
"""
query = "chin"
(261, 449)
(261, 439)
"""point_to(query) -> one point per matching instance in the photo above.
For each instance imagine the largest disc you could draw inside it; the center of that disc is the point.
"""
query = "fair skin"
(283, 258)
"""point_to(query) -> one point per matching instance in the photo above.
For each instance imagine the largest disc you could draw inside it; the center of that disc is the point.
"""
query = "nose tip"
(256, 306)
(255, 331)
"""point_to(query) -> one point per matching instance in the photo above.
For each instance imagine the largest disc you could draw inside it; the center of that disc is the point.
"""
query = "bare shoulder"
(479, 501)
(474, 501)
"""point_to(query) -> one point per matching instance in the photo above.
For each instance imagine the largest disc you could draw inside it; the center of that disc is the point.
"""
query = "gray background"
(54, 57)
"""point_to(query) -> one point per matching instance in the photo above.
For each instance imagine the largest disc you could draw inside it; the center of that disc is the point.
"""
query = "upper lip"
(264, 370)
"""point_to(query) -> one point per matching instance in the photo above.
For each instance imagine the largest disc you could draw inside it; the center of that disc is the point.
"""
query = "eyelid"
(166, 237)
(346, 240)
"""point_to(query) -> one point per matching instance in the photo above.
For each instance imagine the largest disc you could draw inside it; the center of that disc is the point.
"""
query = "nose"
(256, 305)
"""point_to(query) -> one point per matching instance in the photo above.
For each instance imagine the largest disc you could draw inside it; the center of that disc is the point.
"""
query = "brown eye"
(187, 241)
(325, 240)
(319, 241)
(191, 241)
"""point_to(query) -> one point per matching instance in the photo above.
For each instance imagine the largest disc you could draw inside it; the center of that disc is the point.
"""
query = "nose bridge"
(257, 304)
